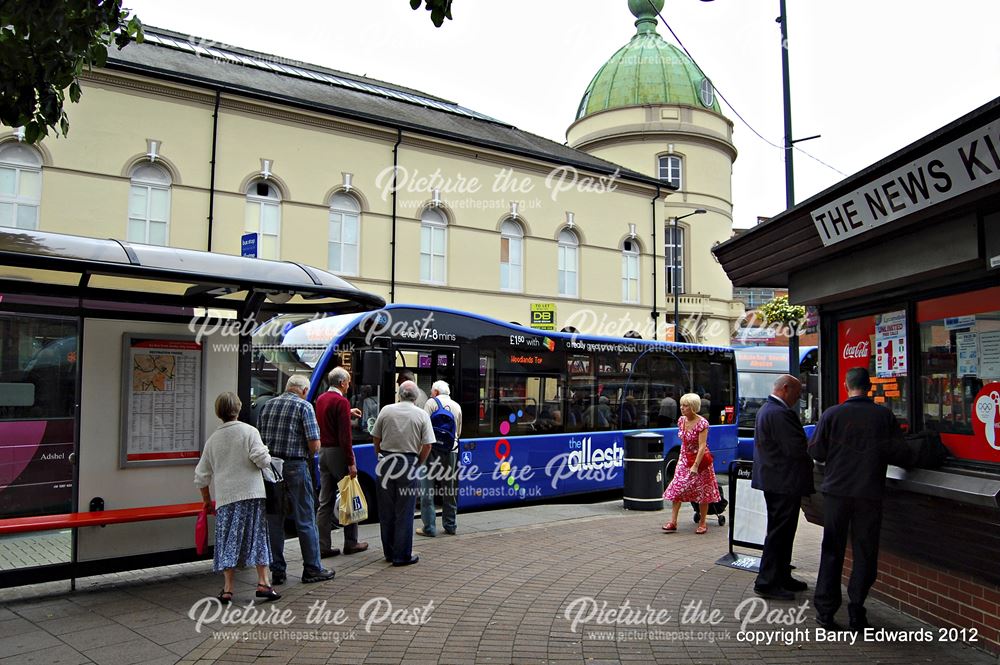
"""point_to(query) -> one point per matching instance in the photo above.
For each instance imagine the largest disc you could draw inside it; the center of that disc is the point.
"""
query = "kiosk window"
(960, 359)
(857, 343)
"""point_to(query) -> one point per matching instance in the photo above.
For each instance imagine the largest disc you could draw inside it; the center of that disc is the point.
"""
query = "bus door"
(426, 364)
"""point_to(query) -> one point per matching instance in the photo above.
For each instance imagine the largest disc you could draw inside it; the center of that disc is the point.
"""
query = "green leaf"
(33, 131)
(44, 48)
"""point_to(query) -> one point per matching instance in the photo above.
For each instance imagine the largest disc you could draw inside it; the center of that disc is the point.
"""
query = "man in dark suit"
(856, 440)
(782, 469)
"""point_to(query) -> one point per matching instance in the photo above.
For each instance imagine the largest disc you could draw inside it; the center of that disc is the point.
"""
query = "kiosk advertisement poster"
(890, 345)
(161, 400)
(854, 346)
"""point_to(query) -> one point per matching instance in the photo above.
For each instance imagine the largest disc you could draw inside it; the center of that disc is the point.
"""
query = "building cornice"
(235, 103)
(644, 133)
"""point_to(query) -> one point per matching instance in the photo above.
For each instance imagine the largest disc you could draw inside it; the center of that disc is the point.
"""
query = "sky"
(869, 76)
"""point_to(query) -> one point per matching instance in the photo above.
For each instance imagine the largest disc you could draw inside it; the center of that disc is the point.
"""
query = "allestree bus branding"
(585, 457)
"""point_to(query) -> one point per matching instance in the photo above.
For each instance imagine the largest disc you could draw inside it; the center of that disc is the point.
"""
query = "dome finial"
(645, 12)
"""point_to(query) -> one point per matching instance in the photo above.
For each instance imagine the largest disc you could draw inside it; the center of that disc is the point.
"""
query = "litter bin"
(643, 471)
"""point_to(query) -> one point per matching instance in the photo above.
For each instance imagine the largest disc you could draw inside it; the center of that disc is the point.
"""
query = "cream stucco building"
(192, 144)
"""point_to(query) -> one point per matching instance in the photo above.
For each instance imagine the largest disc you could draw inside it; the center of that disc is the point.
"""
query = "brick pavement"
(500, 592)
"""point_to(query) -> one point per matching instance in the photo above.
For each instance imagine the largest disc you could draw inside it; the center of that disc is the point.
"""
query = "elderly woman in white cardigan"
(231, 462)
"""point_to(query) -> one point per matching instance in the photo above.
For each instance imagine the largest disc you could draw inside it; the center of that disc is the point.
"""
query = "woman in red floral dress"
(689, 484)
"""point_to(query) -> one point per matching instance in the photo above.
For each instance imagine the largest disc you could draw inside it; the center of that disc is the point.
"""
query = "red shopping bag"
(201, 531)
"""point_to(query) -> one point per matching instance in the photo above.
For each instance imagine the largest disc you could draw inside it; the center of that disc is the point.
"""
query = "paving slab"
(532, 584)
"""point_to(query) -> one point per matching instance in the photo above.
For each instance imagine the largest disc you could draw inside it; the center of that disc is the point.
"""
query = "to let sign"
(963, 165)
(543, 315)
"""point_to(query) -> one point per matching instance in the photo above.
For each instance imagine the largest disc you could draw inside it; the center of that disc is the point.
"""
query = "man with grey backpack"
(440, 474)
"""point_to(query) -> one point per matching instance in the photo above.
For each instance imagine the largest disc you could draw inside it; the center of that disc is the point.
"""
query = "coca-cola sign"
(854, 337)
(856, 351)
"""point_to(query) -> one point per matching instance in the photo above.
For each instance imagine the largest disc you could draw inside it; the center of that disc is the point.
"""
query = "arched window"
(345, 214)
(263, 216)
(511, 256)
(433, 247)
(149, 205)
(670, 169)
(569, 249)
(20, 186)
(630, 272)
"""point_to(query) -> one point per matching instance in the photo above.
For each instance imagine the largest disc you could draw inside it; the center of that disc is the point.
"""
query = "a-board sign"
(748, 519)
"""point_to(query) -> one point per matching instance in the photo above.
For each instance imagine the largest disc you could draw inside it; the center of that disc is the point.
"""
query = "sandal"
(670, 526)
(702, 528)
(225, 596)
(267, 592)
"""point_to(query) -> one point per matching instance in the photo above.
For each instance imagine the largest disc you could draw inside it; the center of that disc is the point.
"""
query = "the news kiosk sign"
(963, 165)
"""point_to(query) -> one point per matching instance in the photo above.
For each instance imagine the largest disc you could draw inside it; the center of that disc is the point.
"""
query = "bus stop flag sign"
(248, 245)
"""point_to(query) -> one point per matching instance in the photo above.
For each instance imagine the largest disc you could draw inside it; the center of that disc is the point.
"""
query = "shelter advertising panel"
(161, 400)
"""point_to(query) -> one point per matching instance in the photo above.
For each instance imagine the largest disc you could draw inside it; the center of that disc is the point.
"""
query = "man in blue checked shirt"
(288, 427)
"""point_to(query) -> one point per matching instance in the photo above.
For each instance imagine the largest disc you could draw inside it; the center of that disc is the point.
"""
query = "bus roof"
(332, 329)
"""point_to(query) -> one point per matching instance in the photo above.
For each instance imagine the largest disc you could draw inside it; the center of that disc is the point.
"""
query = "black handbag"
(274, 492)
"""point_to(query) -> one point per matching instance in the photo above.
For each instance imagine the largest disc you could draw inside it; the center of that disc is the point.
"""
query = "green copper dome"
(647, 70)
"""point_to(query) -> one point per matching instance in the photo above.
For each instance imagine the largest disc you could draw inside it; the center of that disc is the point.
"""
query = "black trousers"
(782, 522)
(862, 520)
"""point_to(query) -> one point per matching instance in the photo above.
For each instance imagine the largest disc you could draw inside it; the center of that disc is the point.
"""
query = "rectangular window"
(534, 401)
(713, 383)
(670, 170)
(960, 372)
(567, 271)
(264, 218)
(674, 255)
(342, 245)
(510, 263)
(432, 254)
(148, 214)
(20, 192)
(630, 278)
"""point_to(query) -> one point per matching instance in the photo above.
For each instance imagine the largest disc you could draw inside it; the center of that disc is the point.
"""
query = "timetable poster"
(163, 400)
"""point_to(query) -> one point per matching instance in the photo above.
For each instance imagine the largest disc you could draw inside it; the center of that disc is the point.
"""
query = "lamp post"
(673, 267)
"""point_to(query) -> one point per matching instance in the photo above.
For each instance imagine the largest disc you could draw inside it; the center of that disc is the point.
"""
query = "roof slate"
(165, 62)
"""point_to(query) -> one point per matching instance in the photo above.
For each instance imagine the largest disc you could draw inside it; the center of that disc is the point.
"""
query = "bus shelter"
(111, 356)
(903, 261)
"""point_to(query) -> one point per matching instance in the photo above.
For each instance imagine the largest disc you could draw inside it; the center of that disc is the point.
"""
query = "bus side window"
(529, 405)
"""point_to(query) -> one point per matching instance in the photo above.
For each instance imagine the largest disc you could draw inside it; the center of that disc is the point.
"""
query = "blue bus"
(544, 413)
(758, 367)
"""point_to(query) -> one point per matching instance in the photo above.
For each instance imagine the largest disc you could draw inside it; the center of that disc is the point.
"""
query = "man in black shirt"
(857, 440)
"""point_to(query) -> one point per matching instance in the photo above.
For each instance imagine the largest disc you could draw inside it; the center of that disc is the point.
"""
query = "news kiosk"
(903, 261)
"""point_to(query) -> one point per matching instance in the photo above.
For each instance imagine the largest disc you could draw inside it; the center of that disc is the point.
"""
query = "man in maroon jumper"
(336, 459)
